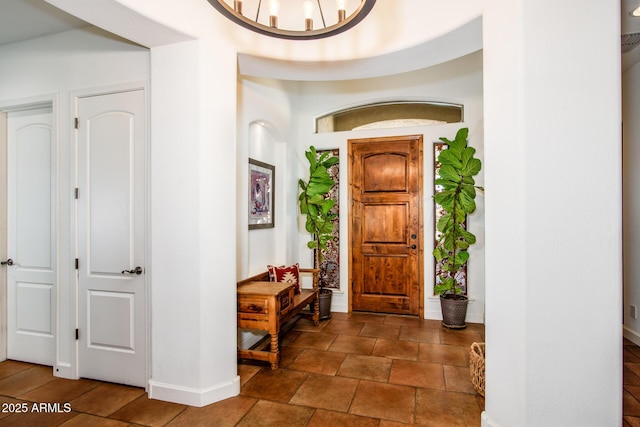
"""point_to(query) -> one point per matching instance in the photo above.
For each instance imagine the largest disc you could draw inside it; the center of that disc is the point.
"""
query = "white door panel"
(111, 237)
(31, 290)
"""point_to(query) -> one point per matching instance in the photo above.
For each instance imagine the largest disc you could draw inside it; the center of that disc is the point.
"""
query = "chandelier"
(295, 19)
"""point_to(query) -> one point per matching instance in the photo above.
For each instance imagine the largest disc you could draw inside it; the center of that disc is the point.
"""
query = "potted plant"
(319, 217)
(458, 166)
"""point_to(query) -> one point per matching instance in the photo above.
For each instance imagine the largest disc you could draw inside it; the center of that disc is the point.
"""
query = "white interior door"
(30, 267)
(111, 237)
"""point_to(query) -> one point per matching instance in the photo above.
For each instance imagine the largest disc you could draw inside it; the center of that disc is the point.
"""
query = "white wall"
(53, 68)
(553, 213)
(631, 205)
(264, 120)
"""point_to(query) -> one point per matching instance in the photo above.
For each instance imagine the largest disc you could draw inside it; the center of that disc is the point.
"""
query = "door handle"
(137, 270)
(413, 246)
(7, 262)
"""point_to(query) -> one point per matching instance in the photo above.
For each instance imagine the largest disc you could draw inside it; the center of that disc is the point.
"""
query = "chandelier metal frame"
(341, 26)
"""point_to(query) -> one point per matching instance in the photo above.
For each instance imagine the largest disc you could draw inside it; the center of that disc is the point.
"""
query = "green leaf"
(331, 161)
(328, 205)
(468, 236)
(445, 183)
(448, 172)
(444, 222)
(462, 257)
(444, 198)
(473, 167)
(467, 203)
(449, 157)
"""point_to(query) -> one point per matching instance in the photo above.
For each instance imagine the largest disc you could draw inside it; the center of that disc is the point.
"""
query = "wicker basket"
(476, 366)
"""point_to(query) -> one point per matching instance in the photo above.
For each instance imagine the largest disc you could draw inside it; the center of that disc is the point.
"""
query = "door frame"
(99, 91)
(3, 232)
(21, 104)
(421, 289)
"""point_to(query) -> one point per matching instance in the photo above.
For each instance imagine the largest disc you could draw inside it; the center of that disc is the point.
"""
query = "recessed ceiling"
(29, 19)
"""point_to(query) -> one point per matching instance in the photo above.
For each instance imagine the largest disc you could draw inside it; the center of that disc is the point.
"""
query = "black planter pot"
(454, 311)
(324, 301)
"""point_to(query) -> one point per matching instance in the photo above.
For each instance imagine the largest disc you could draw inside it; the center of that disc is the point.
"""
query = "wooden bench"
(273, 308)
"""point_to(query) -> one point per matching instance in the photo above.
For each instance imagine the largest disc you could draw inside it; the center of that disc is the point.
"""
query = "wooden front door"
(386, 224)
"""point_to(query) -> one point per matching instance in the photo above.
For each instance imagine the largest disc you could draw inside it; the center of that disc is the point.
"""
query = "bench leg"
(316, 312)
(275, 355)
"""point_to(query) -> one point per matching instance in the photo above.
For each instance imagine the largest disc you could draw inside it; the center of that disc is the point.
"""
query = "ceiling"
(29, 19)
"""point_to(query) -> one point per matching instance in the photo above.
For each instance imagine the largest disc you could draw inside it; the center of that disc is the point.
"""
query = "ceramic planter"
(454, 311)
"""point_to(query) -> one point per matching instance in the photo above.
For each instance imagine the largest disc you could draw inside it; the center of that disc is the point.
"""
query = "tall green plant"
(313, 203)
(458, 166)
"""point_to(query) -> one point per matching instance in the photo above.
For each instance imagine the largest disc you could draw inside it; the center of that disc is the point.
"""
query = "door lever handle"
(137, 270)
(7, 262)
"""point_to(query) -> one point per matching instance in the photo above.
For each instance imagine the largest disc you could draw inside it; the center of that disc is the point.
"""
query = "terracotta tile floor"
(353, 370)
(631, 384)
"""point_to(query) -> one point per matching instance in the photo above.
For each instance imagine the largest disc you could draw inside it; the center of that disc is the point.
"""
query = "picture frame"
(261, 210)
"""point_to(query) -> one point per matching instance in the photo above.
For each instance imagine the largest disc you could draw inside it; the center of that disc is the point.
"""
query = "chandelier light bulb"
(342, 12)
(274, 6)
(307, 7)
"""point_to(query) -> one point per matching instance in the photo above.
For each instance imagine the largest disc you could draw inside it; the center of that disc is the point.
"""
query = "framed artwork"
(261, 195)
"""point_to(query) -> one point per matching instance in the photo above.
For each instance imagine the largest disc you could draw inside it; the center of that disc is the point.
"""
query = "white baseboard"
(485, 421)
(631, 335)
(63, 370)
(339, 301)
(433, 312)
(193, 396)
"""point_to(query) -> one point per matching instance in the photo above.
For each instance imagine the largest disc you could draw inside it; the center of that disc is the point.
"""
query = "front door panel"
(386, 212)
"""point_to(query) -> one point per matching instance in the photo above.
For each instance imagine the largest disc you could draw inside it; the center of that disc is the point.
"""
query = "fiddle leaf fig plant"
(458, 167)
(319, 218)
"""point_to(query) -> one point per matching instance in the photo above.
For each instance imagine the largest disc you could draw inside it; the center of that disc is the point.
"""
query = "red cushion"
(290, 274)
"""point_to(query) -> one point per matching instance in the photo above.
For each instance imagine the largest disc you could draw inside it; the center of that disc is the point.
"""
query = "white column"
(193, 310)
(553, 213)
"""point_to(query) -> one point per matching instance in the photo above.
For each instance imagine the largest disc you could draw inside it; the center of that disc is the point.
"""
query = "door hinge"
(77, 191)
(77, 264)
(76, 123)
(77, 334)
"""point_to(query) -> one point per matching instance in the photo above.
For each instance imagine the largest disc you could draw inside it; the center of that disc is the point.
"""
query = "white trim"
(64, 370)
(194, 396)
(339, 301)
(3, 230)
(485, 421)
(631, 335)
